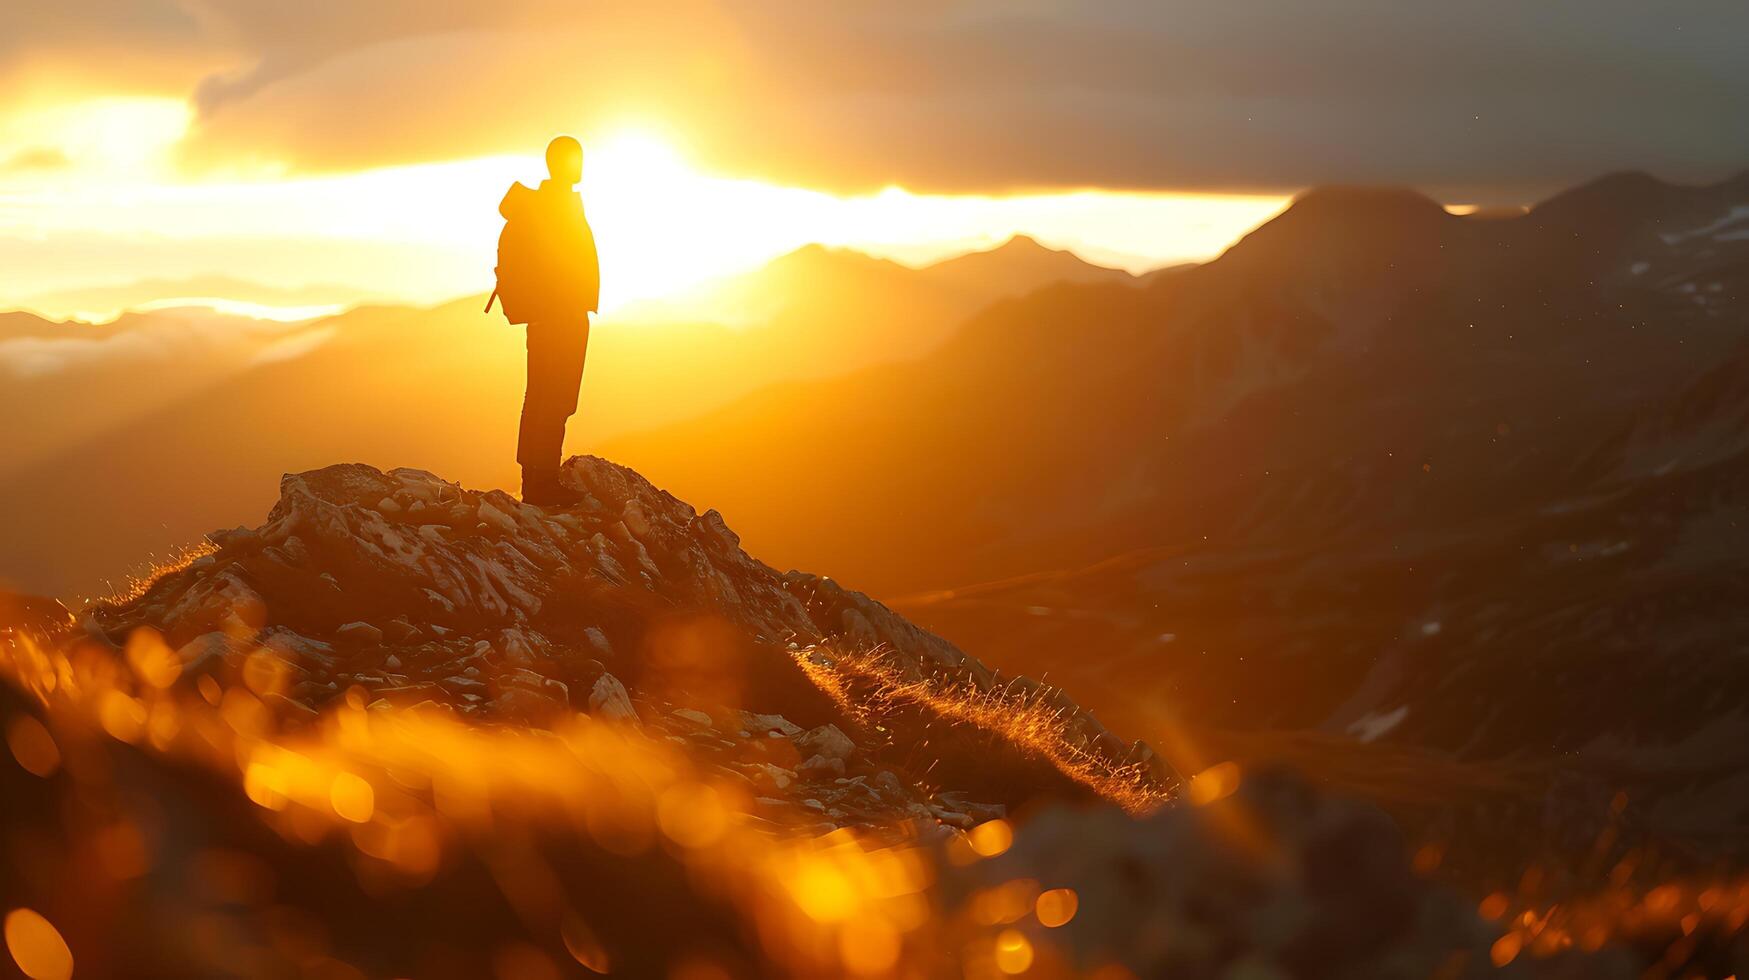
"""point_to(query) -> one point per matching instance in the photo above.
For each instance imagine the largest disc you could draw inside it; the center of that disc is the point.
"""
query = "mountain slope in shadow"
(1466, 483)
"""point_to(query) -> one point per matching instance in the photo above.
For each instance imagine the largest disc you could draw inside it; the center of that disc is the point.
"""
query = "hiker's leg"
(571, 349)
(555, 376)
(542, 437)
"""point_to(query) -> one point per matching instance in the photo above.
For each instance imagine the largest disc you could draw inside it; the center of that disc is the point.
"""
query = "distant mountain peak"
(1623, 180)
(1026, 261)
(1348, 201)
(1341, 222)
(1020, 242)
(1016, 246)
(16, 324)
(1623, 190)
(815, 258)
(1635, 194)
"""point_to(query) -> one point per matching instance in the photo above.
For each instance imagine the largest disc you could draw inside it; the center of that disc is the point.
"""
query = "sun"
(664, 225)
(632, 160)
(638, 190)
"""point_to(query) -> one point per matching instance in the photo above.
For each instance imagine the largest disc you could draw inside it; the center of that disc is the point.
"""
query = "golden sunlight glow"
(1027, 718)
(428, 232)
(235, 307)
(122, 139)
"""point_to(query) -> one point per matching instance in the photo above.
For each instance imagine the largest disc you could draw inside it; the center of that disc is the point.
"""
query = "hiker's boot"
(542, 487)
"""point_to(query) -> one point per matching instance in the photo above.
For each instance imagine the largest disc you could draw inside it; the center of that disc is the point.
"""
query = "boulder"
(608, 700)
(359, 635)
(698, 718)
(819, 766)
(760, 724)
(527, 705)
(205, 652)
(826, 741)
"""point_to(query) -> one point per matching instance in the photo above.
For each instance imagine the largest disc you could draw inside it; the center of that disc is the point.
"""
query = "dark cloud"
(1485, 98)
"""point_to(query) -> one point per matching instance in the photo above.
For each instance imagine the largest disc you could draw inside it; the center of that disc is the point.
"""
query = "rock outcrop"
(401, 589)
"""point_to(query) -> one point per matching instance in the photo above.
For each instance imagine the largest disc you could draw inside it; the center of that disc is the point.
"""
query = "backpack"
(519, 259)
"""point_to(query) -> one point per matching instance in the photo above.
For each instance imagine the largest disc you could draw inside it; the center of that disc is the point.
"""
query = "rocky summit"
(400, 589)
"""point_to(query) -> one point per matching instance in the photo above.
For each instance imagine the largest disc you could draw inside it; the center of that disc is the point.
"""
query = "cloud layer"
(1489, 99)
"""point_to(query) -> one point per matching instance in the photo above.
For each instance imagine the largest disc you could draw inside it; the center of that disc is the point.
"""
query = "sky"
(360, 148)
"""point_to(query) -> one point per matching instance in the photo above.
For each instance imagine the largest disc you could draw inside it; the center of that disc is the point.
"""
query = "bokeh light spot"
(1217, 782)
(37, 947)
(1506, 948)
(1057, 906)
(352, 797)
(991, 838)
(1013, 952)
(582, 944)
(692, 815)
(870, 946)
(152, 661)
(121, 716)
(33, 746)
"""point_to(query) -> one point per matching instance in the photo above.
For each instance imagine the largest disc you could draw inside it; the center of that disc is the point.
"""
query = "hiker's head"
(565, 160)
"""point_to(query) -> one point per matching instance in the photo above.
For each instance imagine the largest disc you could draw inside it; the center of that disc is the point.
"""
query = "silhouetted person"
(549, 277)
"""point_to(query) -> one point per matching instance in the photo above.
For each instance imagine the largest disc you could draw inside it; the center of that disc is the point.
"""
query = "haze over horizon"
(355, 152)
